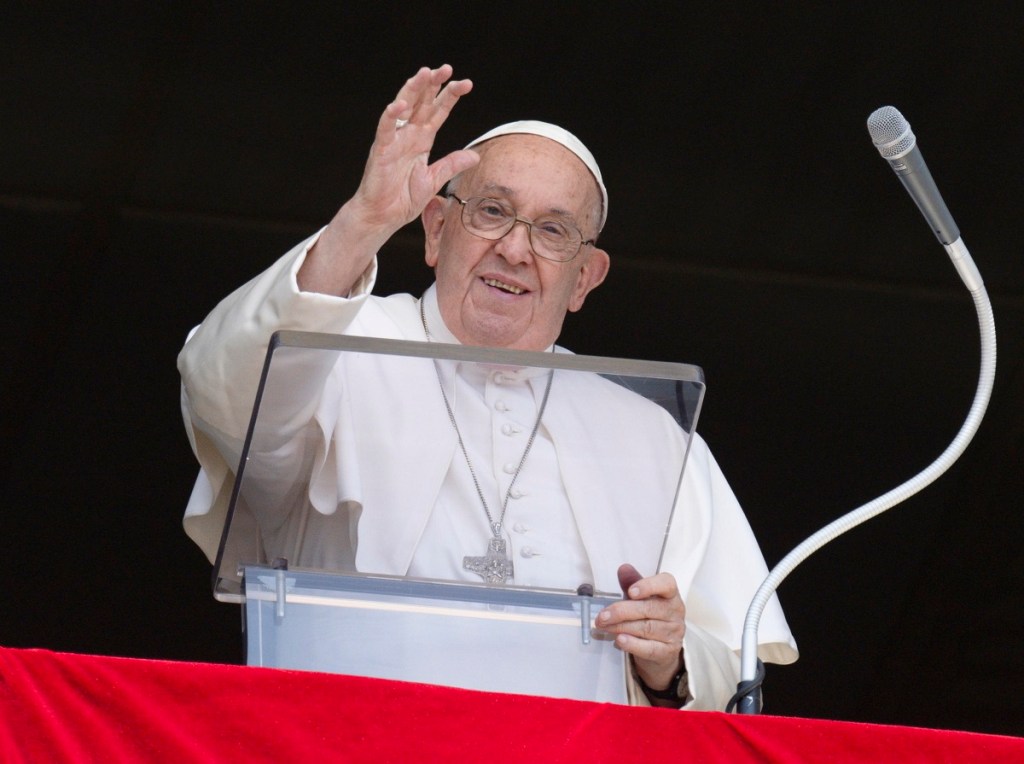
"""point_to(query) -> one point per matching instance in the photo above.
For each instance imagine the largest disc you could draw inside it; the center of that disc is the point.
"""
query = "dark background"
(152, 159)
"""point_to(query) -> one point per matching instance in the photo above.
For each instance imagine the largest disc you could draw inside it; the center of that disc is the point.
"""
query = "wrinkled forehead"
(533, 171)
(563, 138)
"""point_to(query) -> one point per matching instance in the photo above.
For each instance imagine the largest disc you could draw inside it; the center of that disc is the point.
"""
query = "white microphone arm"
(891, 134)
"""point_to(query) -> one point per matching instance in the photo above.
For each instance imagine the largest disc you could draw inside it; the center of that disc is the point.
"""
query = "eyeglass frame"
(516, 219)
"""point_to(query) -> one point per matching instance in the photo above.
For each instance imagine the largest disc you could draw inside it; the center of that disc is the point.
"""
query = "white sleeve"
(220, 368)
(712, 670)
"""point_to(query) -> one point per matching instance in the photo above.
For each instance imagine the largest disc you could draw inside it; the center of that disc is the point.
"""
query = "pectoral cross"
(495, 567)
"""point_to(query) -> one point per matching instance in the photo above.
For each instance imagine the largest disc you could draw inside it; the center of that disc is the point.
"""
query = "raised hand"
(397, 182)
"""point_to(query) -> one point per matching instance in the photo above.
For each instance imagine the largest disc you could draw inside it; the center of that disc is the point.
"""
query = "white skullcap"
(559, 135)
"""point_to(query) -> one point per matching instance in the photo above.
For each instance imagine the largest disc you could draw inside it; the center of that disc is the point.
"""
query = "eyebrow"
(496, 188)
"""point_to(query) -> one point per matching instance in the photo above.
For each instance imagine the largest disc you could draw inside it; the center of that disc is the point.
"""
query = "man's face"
(499, 293)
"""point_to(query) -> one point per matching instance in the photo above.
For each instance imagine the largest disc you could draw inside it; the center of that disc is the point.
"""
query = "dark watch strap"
(669, 693)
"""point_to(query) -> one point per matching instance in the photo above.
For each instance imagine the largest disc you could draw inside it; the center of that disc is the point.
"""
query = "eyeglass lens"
(493, 219)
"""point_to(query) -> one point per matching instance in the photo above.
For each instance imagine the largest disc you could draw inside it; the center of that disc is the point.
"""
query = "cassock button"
(501, 406)
(519, 528)
(516, 493)
(510, 468)
(528, 552)
(507, 429)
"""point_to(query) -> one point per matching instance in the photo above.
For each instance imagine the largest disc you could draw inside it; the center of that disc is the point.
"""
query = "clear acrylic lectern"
(333, 543)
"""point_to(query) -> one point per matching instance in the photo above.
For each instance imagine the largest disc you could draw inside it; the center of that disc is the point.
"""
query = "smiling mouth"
(510, 288)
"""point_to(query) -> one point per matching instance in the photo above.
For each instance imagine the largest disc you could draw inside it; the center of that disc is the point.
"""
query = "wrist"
(360, 228)
(677, 691)
(339, 257)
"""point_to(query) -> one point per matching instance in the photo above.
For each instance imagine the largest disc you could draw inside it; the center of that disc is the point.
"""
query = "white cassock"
(563, 527)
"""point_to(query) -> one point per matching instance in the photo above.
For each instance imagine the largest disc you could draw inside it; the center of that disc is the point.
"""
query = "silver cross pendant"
(495, 567)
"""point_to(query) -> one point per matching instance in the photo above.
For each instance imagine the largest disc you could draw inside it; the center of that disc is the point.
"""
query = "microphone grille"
(890, 132)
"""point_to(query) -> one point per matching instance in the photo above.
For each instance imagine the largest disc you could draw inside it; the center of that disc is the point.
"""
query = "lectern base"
(498, 639)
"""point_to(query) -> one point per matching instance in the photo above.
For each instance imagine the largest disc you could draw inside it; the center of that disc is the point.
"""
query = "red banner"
(71, 708)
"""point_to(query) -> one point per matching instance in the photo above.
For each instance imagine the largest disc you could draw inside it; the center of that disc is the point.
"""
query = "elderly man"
(513, 247)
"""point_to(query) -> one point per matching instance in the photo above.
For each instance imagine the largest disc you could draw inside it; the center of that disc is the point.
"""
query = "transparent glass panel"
(378, 457)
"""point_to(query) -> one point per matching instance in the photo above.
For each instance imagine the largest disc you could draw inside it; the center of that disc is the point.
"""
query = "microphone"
(895, 141)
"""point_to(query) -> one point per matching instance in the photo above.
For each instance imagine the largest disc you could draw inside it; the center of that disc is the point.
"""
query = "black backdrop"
(153, 158)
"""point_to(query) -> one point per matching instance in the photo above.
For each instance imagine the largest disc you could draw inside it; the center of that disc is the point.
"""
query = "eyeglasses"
(550, 238)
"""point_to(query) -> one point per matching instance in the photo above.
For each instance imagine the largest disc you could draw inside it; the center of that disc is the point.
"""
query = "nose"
(515, 245)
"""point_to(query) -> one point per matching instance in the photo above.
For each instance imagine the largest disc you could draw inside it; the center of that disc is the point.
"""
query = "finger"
(654, 649)
(387, 125)
(440, 75)
(657, 653)
(424, 101)
(663, 625)
(628, 575)
(651, 629)
(666, 633)
(445, 101)
(662, 585)
(649, 638)
(421, 91)
(413, 89)
(627, 611)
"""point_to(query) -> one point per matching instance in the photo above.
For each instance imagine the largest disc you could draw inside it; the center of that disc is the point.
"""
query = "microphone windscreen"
(890, 132)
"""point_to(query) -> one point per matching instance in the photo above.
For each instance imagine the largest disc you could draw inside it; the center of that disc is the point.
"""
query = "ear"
(592, 273)
(432, 218)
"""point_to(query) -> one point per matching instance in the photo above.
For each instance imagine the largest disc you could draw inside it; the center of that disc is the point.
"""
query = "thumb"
(448, 167)
(628, 575)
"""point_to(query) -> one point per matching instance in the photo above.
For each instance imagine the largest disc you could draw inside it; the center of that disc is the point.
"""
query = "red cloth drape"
(71, 708)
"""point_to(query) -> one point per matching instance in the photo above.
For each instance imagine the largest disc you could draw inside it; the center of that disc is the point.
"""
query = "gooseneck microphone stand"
(892, 135)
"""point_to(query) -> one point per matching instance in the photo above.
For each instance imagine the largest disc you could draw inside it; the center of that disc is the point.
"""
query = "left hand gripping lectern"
(333, 542)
